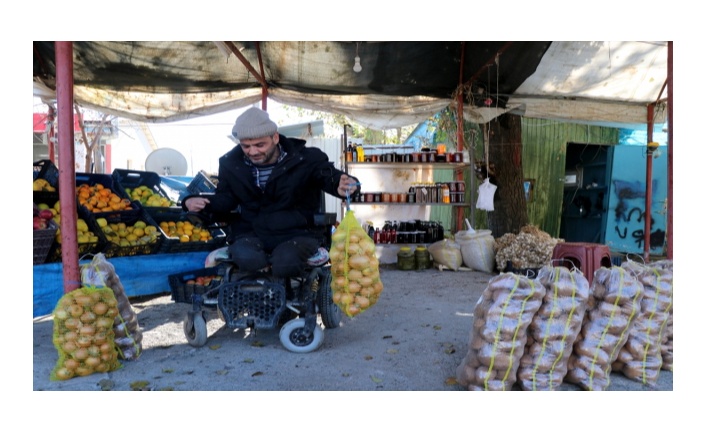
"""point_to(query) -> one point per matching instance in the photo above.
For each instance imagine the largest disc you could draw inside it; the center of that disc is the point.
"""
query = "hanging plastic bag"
(128, 335)
(486, 192)
(355, 269)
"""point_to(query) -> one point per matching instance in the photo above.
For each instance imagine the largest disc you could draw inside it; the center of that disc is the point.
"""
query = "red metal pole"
(67, 174)
(670, 146)
(459, 131)
(648, 181)
(51, 117)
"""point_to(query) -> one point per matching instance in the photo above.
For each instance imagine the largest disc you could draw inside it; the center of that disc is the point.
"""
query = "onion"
(72, 323)
(75, 310)
(353, 238)
(63, 374)
(94, 351)
(80, 354)
(362, 301)
(84, 341)
(61, 314)
(91, 362)
(70, 336)
(353, 287)
(71, 364)
(87, 331)
(88, 317)
(346, 298)
(69, 347)
(365, 281)
(83, 300)
(106, 348)
(355, 275)
(100, 308)
(352, 310)
(358, 262)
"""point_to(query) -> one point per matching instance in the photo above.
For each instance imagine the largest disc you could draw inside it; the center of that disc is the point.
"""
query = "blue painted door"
(625, 225)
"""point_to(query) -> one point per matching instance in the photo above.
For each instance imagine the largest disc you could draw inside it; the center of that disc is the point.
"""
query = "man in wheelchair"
(275, 186)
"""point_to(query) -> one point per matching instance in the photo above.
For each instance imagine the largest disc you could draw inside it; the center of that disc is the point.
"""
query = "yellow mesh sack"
(355, 268)
(83, 333)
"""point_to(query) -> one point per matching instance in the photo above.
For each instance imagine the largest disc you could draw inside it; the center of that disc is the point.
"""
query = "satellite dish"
(166, 161)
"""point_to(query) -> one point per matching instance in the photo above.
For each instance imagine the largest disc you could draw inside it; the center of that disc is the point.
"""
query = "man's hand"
(347, 184)
(196, 204)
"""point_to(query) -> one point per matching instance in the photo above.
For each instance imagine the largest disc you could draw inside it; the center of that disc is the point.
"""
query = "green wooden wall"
(543, 161)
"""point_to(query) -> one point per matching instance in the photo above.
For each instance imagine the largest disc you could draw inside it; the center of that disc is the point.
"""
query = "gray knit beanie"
(253, 123)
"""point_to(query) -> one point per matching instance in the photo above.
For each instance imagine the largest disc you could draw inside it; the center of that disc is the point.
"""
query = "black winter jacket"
(292, 196)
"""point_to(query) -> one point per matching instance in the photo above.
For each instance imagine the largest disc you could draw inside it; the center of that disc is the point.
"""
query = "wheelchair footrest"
(252, 303)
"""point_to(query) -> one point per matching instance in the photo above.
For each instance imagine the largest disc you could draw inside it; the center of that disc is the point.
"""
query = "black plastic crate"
(107, 182)
(129, 218)
(131, 179)
(46, 170)
(201, 184)
(84, 249)
(183, 285)
(174, 245)
(43, 241)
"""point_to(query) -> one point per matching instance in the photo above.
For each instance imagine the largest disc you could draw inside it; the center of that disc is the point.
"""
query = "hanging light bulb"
(357, 67)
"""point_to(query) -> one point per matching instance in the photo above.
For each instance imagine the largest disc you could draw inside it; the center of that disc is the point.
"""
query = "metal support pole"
(67, 174)
(651, 146)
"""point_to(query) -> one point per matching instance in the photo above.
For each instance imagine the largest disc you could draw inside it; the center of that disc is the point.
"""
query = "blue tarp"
(139, 275)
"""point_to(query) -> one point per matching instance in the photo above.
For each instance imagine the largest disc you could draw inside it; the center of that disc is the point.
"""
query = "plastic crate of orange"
(129, 233)
(99, 193)
(185, 284)
(181, 235)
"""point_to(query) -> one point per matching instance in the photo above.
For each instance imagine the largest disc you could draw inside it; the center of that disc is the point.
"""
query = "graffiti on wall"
(630, 213)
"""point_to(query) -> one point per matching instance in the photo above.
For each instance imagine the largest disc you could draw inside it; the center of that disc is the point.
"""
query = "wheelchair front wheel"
(195, 329)
(296, 338)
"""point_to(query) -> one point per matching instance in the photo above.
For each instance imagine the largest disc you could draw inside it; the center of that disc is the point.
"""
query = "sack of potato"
(83, 333)
(612, 307)
(640, 359)
(499, 334)
(128, 335)
(554, 329)
(355, 269)
(668, 335)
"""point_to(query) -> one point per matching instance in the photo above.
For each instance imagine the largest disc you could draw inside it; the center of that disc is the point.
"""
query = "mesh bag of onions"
(640, 359)
(83, 333)
(128, 335)
(355, 269)
(613, 305)
(499, 334)
(554, 329)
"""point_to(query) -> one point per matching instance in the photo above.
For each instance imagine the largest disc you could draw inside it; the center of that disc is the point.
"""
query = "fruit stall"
(131, 218)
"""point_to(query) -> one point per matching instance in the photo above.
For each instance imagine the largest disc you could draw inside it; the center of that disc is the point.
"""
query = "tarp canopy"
(399, 84)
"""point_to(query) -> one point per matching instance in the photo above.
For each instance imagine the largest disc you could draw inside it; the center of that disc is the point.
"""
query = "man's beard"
(270, 157)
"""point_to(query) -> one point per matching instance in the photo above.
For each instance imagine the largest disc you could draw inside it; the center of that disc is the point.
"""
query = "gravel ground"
(396, 360)
(411, 340)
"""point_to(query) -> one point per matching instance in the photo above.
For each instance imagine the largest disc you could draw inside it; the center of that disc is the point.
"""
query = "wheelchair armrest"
(324, 219)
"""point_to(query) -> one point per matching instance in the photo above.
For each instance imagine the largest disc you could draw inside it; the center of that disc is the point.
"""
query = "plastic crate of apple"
(355, 269)
(185, 231)
(84, 235)
(149, 197)
(124, 235)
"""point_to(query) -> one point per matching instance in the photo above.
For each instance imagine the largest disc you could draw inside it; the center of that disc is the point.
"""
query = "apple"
(39, 223)
(46, 214)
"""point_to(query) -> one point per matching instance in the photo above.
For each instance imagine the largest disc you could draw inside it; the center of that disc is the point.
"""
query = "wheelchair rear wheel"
(330, 313)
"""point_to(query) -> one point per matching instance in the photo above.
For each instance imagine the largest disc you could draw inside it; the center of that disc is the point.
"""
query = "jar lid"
(421, 248)
(405, 248)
